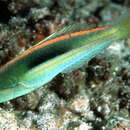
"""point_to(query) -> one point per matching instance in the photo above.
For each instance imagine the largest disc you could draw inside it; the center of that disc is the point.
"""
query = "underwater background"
(94, 97)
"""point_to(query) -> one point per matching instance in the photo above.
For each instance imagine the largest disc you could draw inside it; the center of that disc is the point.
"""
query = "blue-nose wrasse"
(59, 53)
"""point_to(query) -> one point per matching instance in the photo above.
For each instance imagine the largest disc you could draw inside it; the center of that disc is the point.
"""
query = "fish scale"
(62, 52)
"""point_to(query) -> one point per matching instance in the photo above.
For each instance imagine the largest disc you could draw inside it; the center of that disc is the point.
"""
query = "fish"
(62, 52)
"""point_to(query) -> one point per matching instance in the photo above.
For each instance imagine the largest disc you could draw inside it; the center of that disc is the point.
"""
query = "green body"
(39, 67)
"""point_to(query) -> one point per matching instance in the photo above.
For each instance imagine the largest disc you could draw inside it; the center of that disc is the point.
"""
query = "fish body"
(58, 54)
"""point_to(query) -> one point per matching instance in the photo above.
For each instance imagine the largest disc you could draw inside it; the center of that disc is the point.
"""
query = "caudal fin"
(124, 25)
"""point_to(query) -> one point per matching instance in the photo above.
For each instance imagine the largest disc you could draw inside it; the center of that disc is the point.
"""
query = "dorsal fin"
(67, 30)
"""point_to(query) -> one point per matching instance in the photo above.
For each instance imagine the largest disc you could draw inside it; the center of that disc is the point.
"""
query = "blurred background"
(94, 97)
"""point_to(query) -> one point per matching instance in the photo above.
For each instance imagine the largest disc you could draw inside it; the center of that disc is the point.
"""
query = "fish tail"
(123, 25)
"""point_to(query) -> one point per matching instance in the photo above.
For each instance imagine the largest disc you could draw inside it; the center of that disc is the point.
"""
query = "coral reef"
(95, 96)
